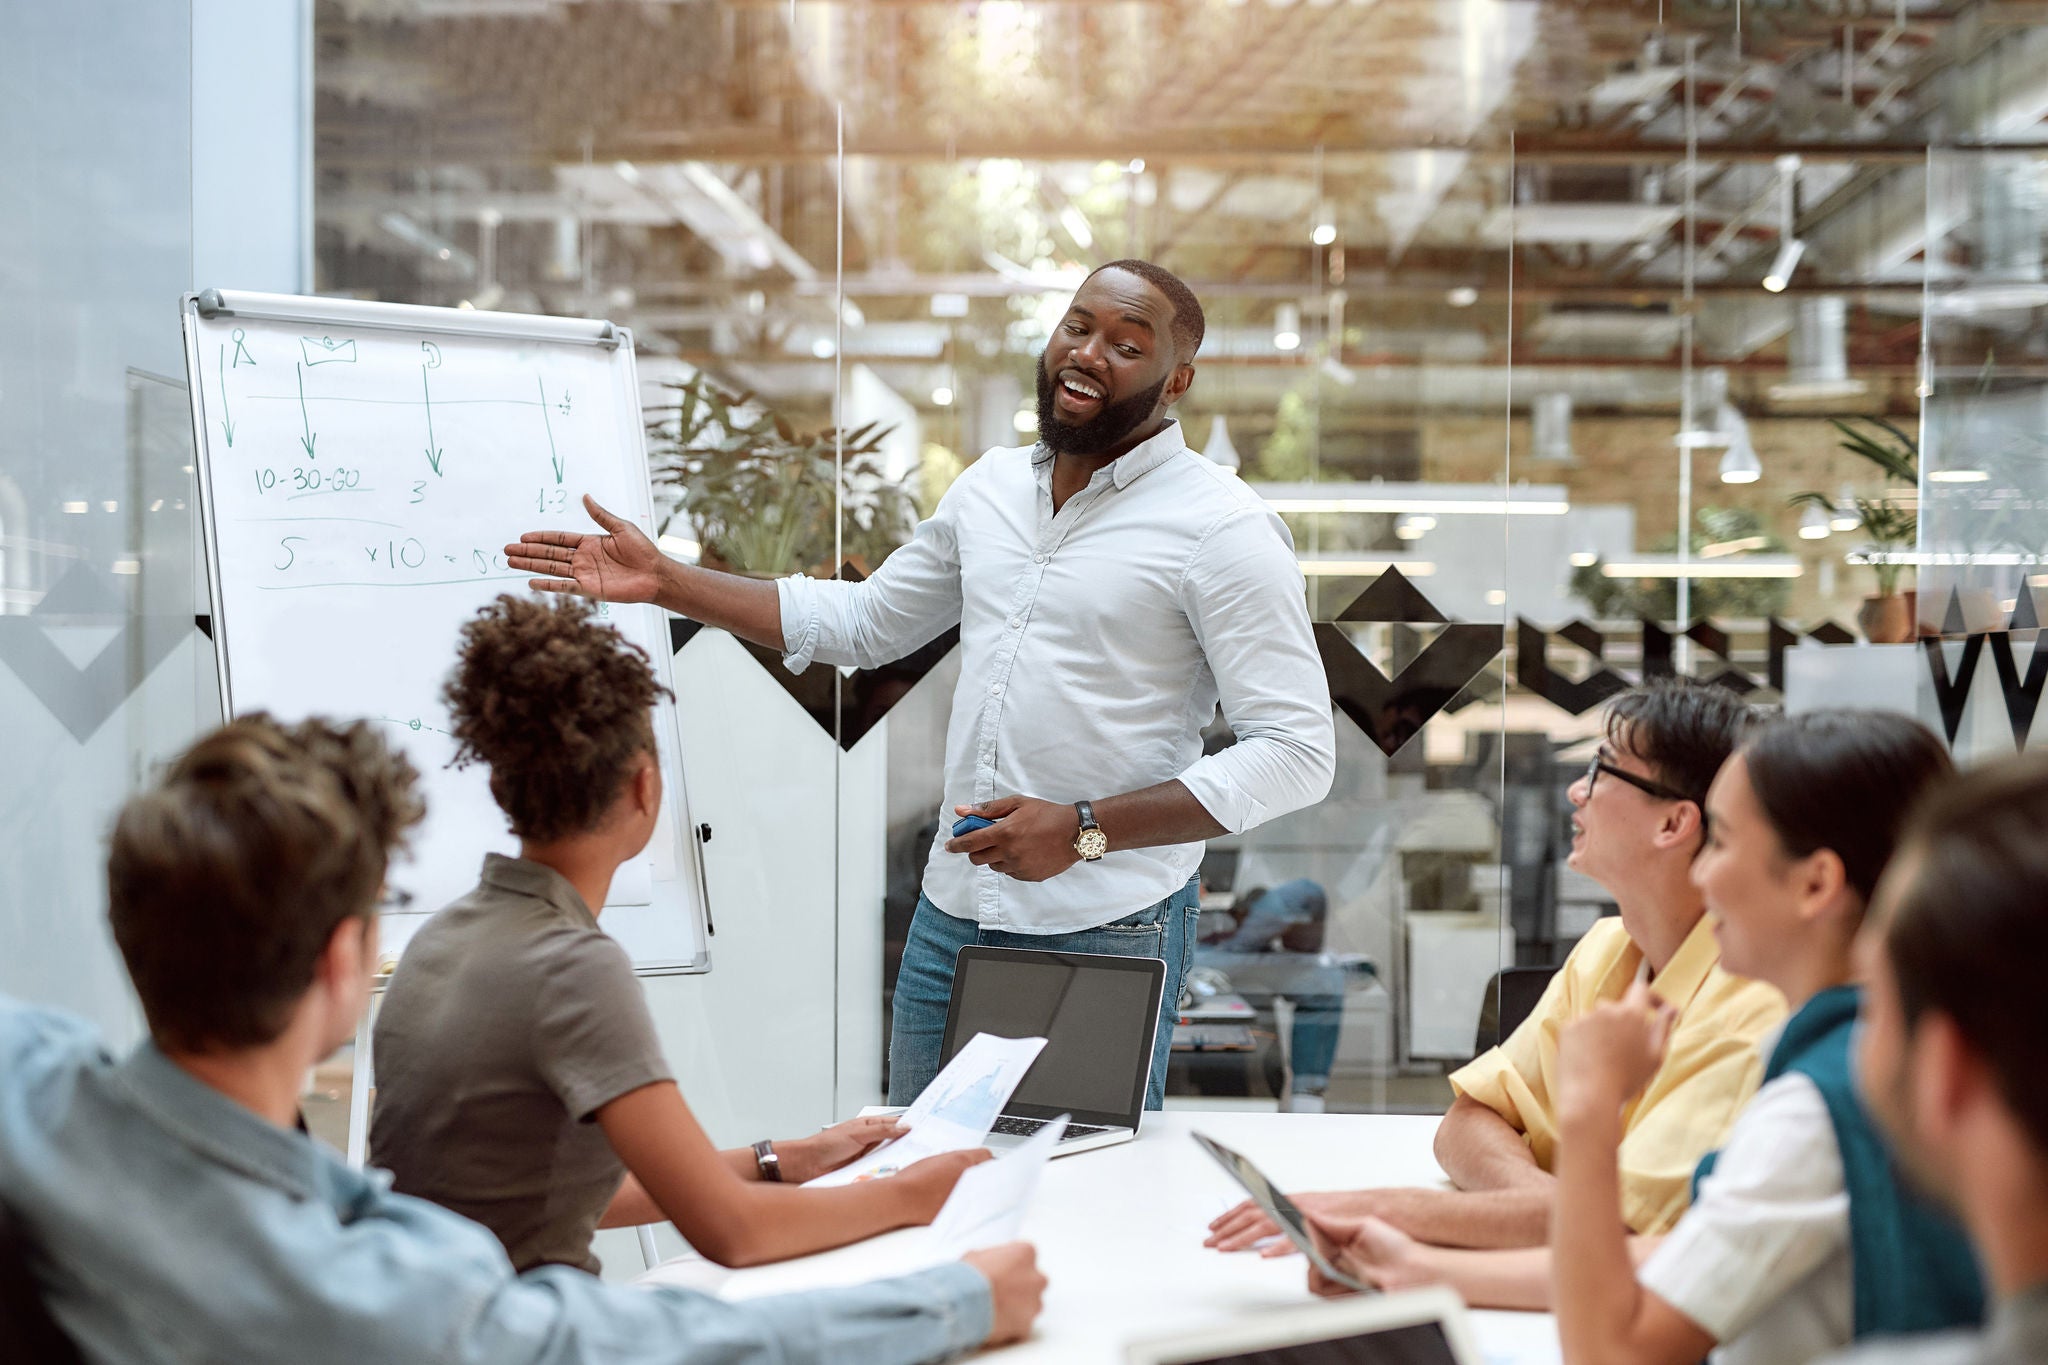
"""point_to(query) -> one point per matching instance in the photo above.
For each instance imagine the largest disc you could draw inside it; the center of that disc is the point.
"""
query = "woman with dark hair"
(1800, 1237)
(519, 1080)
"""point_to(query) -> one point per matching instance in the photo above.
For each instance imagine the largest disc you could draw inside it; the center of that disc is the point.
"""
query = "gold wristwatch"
(1091, 843)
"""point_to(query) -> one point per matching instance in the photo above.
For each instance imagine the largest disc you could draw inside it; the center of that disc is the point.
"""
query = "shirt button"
(1039, 559)
(995, 689)
(1016, 624)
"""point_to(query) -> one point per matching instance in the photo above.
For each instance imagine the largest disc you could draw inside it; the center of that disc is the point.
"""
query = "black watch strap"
(1086, 809)
(768, 1161)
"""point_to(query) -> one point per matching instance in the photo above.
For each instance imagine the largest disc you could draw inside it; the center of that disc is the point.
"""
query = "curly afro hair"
(556, 705)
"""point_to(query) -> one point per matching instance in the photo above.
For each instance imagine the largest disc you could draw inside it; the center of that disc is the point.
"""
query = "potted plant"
(1890, 524)
(762, 499)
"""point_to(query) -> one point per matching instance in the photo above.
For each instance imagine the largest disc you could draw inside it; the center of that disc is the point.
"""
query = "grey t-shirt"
(511, 1020)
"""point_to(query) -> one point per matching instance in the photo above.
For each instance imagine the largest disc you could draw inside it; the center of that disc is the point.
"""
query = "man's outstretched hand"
(621, 565)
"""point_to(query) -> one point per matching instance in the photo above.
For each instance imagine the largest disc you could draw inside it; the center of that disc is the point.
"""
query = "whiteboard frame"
(415, 318)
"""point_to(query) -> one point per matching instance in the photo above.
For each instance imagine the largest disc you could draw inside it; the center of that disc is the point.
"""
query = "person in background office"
(1800, 1237)
(1110, 587)
(1276, 952)
(1952, 1051)
(1638, 823)
(172, 1213)
(519, 1081)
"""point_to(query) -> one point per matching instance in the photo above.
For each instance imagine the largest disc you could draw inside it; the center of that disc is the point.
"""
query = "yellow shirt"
(1710, 1070)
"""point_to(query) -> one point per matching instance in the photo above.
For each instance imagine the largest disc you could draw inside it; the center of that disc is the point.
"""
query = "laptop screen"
(1422, 1343)
(1097, 1015)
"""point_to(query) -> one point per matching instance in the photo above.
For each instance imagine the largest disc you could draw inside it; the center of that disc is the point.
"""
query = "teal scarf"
(1911, 1265)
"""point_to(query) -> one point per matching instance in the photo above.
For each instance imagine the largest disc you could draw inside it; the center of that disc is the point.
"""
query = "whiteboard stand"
(361, 467)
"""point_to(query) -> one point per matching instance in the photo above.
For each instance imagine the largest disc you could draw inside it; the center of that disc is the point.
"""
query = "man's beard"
(1100, 432)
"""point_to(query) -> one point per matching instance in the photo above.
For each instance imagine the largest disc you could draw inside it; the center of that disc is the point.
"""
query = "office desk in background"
(1119, 1233)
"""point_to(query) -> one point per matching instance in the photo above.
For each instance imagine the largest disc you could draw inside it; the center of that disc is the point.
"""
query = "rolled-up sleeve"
(1243, 595)
(911, 598)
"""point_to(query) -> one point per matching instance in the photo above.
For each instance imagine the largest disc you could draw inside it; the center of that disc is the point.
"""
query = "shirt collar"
(1139, 460)
(522, 877)
(1687, 970)
(217, 1127)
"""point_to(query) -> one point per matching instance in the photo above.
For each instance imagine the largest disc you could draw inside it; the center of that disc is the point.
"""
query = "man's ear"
(1683, 825)
(1948, 1077)
(1178, 383)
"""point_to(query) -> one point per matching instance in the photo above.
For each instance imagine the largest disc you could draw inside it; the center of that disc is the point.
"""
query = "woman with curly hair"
(519, 1080)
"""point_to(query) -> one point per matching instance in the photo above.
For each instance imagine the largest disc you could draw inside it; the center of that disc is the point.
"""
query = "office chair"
(1509, 999)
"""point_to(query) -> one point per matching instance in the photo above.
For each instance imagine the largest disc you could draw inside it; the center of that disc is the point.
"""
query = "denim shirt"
(165, 1222)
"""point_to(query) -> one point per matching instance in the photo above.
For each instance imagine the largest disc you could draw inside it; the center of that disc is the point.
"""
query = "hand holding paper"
(955, 1111)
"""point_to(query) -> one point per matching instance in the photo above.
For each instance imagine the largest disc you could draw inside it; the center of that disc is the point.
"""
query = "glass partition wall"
(1575, 347)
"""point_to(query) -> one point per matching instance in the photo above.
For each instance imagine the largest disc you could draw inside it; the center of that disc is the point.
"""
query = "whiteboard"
(362, 466)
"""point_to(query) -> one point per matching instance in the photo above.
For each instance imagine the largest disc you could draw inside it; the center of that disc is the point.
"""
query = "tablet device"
(1277, 1207)
(1416, 1327)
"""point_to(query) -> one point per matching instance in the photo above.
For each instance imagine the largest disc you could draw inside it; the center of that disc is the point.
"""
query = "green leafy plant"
(762, 498)
(1890, 523)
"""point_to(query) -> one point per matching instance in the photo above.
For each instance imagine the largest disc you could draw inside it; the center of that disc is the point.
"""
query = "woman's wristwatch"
(765, 1158)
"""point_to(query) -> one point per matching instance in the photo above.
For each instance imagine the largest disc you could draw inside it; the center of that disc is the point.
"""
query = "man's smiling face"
(1110, 370)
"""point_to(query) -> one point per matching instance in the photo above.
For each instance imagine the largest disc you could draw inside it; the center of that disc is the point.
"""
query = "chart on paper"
(363, 471)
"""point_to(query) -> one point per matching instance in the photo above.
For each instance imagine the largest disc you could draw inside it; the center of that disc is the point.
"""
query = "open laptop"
(1417, 1327)
(1098, 1016)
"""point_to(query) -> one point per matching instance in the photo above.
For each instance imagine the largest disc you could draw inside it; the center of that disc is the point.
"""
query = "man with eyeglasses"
(1638, 819)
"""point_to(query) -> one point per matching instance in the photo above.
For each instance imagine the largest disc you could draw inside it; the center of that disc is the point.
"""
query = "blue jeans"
(924, 983)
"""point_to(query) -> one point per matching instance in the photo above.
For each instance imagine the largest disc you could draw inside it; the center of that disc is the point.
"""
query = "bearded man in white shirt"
(1111, 587)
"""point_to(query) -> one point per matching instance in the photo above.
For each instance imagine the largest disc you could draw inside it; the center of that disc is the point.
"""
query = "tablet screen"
(1422, 1343)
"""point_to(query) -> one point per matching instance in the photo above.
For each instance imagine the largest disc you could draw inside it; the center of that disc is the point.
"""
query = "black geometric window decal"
(1391, 711)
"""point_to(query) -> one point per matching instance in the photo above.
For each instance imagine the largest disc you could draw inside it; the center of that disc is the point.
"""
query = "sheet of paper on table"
(955, 1111)
(987, 1207)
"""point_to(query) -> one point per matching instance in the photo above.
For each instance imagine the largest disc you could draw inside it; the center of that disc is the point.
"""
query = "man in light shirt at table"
(169, 1206)
(1951, 1050)
(1638, 821)
(1111, 587)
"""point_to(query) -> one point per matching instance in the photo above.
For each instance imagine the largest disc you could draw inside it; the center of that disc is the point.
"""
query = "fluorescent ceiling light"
(1077, 227)
(1959, 476)
(1584, 559)
(1699, 438)
(1479, 507)
(680, 548)
(1365, 568)
(949, 305)
(1667, 566)
(1721, 549)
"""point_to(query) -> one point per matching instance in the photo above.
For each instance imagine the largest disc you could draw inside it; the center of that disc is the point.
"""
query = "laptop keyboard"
(1017, 1127)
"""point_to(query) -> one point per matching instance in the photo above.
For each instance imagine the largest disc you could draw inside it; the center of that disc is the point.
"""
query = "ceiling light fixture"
(1220, 449)
(1287, 327)
(942, 397)
(1740, 464)
(1365, 568)
(1463, 296)
(1958, 476)
(1790, 247)
(1584, 559)
(1815, 524)
(1326, 224)
(1775, 566)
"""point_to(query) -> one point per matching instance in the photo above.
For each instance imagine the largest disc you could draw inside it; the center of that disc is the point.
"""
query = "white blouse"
(1761, 1259)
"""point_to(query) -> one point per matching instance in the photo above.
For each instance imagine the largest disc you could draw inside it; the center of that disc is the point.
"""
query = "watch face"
(1091, 844)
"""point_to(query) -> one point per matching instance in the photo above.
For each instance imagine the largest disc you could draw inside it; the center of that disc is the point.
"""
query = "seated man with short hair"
(1951, 1049)
(173, 1211)
(1637, 824)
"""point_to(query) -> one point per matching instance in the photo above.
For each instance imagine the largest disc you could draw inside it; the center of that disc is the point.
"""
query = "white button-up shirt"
(1094, 646)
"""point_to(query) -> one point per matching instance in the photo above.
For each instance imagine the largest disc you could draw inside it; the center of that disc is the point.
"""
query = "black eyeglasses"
(1599, 765)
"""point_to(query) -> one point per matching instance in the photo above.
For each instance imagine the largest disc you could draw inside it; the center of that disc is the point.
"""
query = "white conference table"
(1119, 1235)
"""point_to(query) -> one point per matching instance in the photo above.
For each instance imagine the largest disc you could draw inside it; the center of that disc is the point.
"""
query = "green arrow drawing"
(227, 422)
(433, 451)
(306, 422)
(553, 458)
